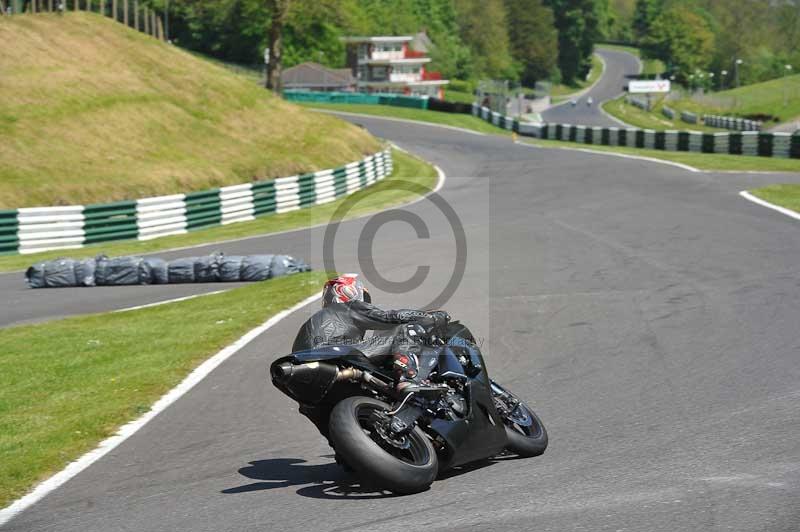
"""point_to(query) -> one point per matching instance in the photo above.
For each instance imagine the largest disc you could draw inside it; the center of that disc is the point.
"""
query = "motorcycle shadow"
(326, 481)
(319, 481)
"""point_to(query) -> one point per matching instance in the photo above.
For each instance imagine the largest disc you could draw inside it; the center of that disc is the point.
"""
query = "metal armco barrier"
(29, 230)
(785, 145)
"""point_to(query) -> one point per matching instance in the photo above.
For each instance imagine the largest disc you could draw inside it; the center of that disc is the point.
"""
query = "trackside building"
(390, 64)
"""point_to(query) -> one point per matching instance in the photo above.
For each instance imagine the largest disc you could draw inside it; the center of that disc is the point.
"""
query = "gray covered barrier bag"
(121, 271)
(181, 270)
(105, 271)
(206, 269)
(35, 275)
(51, 274)
(256, 268)
(84, 272)
(61, 273)
(159, 270)
(230, 268)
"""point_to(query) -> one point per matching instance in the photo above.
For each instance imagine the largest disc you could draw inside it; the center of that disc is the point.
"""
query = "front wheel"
(525, 431)
(406, 465)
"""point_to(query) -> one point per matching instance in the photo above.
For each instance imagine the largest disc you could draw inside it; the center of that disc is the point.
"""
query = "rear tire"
(386, 467)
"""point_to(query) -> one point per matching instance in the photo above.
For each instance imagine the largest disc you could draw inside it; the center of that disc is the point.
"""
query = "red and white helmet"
(344, 289)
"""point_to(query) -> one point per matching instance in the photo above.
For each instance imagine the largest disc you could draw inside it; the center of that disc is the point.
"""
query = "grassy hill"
(92, 111)
(778, 97)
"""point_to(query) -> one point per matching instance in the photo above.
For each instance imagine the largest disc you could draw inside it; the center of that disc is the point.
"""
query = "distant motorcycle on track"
(401, 442)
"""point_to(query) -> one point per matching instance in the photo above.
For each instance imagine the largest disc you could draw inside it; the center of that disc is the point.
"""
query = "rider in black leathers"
(347, 314)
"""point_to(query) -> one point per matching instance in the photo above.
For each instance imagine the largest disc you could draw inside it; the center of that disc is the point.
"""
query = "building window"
(379, 73)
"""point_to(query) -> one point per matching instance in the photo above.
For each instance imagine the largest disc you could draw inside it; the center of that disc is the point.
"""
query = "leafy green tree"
(644, 14)
(533, 39)
(482, 26)
(578, 25)
(231, 30)
(683, 39)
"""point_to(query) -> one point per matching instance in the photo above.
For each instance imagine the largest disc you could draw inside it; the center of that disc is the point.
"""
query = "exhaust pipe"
(307, 383)
(310, 382)
(281, 372)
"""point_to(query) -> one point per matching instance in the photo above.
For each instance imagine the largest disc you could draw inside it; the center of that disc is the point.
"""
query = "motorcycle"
(400, 442)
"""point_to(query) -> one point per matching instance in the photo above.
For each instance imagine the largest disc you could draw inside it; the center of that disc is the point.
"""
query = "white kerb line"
(783, 210)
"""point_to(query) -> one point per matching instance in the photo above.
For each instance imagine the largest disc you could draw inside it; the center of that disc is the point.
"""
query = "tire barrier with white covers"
(729, 122)
(30, 230)
(784, 145)
(125, 271)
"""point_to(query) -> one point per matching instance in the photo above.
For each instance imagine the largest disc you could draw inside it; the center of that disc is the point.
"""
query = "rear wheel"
(401, 465)
(525, 431)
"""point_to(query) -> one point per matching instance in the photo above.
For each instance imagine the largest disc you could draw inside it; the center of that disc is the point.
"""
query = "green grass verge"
(67, 385)
(406, 168)
(784, 195)
(563, 92)
(702, 161)
(630, 114)
(421, 115)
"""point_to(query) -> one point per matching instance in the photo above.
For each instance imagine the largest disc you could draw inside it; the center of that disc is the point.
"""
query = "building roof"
(387, 38)
(421, 42)
(315, 75)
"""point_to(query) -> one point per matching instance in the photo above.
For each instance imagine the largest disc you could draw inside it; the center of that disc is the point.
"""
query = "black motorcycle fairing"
(481, 432)
(347, 353)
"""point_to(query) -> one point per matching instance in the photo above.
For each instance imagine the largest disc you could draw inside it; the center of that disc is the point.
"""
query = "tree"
(533, 39)
(682, 39)
(278, 9)
(482, 26)
(644, 14)
(578, 25)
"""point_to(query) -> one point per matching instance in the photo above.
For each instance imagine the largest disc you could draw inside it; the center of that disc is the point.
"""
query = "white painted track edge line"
(129, 429)
(615, 154)
(442, 178)
(783, 210)
(168, 301)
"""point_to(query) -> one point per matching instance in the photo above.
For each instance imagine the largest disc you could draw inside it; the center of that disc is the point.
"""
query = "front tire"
(399, 470)
(526, 434)
(530, 443)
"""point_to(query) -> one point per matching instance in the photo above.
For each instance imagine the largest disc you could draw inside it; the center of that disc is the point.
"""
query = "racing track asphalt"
(619, 65)
(649, 315)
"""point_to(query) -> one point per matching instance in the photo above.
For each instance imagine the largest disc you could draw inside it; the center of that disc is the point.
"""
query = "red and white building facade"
(389, 64)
